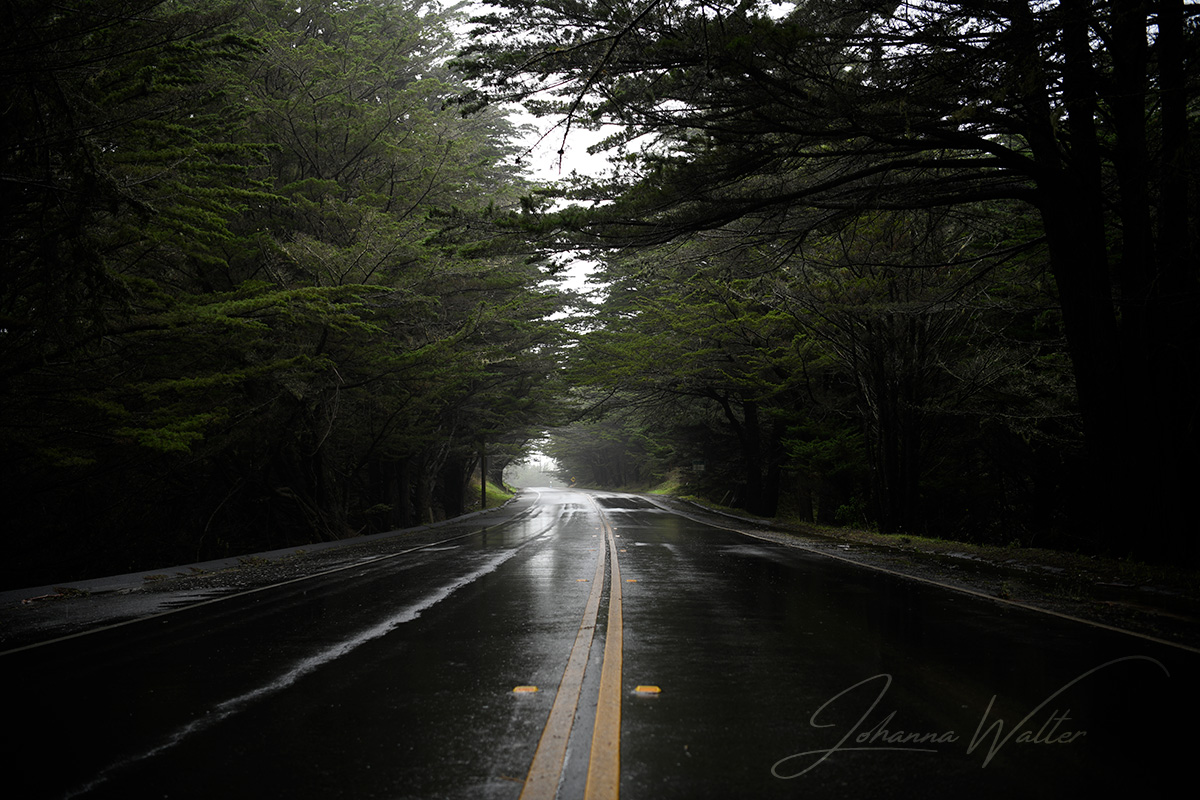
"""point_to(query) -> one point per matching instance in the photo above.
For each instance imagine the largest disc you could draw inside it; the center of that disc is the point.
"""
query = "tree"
(842, 380)
(922, 350)
(119, 168)
(386, 188)
(795, 120)
(686, 325)
(249, 297)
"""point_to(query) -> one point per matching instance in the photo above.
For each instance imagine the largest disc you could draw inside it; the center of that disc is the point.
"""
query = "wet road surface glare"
(591, 644)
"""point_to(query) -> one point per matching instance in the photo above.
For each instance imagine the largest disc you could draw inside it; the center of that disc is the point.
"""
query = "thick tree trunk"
(1070, 200)
(1131, 327)
(423, 499)
(393, 488)
(1174, 309)
(773, 483)
(755, 490)
(804, 499)
(891, 390)
(762, 464)
(404, 494)
(452, 485)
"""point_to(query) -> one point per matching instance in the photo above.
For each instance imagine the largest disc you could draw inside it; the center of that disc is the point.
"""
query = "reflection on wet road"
(594, 644)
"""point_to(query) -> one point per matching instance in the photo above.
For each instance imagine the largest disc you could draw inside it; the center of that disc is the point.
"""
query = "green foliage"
(852, 377)
(803, 131)
(254, 290)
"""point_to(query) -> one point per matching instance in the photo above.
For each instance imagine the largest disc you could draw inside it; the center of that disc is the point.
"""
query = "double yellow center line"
(604, 764)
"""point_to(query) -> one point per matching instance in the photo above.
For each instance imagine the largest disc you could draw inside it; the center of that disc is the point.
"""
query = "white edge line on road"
(235, 595)
(940, 585)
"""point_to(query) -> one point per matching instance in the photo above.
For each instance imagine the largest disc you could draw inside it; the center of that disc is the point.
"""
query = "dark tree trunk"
(452, 485)
(423, 494)
(1130, 326)
(762, 472)
(1175, 306)
(773, 483)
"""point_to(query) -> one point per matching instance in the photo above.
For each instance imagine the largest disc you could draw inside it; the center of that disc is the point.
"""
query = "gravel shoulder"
(1160, 603)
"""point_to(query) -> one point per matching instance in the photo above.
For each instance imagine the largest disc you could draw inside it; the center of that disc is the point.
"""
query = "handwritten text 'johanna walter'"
(1045, 724)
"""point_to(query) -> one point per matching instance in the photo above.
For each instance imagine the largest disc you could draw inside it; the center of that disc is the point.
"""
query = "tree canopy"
(782, 122)
(271, 272)
(251, 292)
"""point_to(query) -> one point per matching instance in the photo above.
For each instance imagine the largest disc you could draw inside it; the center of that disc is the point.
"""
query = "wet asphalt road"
(780, 673)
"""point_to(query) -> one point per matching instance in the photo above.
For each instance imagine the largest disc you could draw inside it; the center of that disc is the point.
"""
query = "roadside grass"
(670, 487)
(1073, 574)
(496, 495)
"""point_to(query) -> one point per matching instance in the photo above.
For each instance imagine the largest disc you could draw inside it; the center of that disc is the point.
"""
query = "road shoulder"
(1159, 603)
